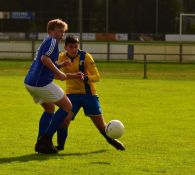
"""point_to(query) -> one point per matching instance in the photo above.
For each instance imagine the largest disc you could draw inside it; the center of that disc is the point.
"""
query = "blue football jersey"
(38, 74)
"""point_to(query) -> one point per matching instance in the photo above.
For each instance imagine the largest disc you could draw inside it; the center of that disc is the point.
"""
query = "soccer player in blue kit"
(39, 83)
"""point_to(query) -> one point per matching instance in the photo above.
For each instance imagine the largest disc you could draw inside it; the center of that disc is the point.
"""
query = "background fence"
(109, 51)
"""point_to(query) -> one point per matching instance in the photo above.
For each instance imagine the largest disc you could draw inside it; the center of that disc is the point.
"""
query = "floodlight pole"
(180, 25)
(2, 25)
(81, 23)
(107, 14)
(157, 16)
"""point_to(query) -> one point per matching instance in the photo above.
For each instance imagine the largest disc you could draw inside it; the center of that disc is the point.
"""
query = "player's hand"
(61, 76)
(80, 75)
(64, 64)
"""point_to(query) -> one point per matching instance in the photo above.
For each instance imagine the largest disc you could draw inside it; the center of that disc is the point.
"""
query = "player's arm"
(49, 64)
(93, 75)
(62, 63)
(78, 75)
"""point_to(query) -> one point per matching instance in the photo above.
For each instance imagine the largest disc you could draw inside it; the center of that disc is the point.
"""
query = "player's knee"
(67, 107)
(50, 108)
(65, 104)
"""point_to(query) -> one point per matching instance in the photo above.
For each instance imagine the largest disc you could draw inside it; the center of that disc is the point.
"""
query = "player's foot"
(117, 144)
(44, 145)
(59, 148)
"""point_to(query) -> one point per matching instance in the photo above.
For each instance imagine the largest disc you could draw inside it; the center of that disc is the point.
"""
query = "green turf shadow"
(41, 157)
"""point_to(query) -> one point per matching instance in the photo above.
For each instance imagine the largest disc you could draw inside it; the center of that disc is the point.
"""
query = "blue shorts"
(89, 103)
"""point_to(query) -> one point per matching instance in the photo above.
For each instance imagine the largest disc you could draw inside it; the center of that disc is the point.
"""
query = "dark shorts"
(89, 103)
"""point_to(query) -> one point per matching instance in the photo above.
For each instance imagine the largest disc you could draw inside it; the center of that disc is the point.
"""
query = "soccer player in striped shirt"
(39, 83)
(82, 94)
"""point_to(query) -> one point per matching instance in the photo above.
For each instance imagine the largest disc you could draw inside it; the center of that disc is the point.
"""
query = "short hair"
(56, 23)
(71, 39)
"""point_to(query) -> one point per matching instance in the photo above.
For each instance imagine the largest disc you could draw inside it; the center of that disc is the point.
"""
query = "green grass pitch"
(158, 114)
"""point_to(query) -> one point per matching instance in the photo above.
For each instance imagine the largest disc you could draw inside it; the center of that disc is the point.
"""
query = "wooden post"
(145, 71)
(108, 51)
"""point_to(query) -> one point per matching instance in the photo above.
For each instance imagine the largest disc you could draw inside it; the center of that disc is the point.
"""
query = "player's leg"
(92, 108)
(62, 132)
(39, 95)
(44, 143)
(100, 125)
(49, 109)
(44, 123)
(61, 115)
(52, 93)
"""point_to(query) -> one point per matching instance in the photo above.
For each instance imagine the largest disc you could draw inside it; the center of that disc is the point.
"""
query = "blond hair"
(56, 23)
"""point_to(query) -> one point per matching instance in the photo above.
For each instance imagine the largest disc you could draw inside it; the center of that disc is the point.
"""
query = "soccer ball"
(114, 129)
